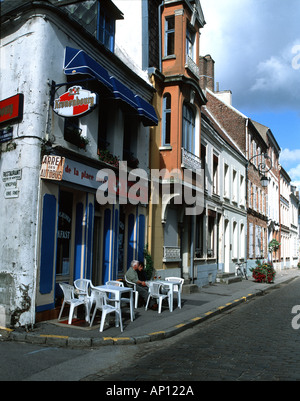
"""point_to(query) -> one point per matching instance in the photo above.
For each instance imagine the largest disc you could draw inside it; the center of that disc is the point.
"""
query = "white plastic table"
(118, 292)
(170, 285)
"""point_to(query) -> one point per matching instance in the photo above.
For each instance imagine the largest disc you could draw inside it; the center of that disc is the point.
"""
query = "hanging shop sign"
(11, 108)
(75, 102)
(52, 167)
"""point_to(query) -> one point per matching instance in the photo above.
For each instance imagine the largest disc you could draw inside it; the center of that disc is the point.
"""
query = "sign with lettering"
(13, 174)
(52, 167)
(75, 102)
(11, 108)
(10, 177)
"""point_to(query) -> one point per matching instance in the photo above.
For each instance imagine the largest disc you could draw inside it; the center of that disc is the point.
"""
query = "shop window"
(64, 233)
(169, 36)
(166, 119)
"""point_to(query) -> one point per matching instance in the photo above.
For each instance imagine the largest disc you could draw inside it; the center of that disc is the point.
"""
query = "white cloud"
(294, 173)
(288, 155)
(255, 59)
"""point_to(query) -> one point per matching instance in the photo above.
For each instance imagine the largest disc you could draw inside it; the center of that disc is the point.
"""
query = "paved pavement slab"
(150, 325)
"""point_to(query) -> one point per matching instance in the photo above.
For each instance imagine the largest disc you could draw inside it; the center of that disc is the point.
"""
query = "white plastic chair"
(136, 294)
(154, 292)
(69, 298)
(82, 285)
(100, 299)
(177, 288)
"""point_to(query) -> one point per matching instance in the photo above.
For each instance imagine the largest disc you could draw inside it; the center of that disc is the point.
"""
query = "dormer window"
(106, 30)
(97, 17)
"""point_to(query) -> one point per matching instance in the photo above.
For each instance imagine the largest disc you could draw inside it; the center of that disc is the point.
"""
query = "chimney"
(207, 72)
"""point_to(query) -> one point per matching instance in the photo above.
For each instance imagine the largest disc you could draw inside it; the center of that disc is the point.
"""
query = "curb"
(74, 342)
(7, 334)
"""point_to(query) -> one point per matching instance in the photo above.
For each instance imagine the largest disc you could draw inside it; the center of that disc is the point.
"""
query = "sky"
(256, 48)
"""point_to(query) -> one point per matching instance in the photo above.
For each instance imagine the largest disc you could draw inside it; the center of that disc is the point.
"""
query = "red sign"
(11, 108)
(75, 102)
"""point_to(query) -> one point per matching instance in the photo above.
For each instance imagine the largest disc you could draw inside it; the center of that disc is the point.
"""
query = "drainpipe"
(160, 33)
(192, 248)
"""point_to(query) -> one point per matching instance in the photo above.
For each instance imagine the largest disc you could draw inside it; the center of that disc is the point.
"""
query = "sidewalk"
(150, 325)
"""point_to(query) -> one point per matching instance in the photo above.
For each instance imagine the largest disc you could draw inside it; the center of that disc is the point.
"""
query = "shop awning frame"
(78, 62)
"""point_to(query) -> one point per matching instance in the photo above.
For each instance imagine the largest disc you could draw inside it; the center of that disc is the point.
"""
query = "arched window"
(166, 129)
(188, 129)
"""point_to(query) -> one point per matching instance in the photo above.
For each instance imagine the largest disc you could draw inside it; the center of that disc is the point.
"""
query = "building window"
(226, 181)
(203, 163)
(169, 36)
(258, 250)
(242, 242)
(72, 131)
(234, 240)
(199, 235)
(234, 186)
(250, 240)
(188, 131)
(215, 174)
(190, 43)
(130, 141)
(166, 133)
(106, 30)
(211, 235)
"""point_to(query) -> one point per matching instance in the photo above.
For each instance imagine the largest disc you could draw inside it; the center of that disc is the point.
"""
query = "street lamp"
(262, 168)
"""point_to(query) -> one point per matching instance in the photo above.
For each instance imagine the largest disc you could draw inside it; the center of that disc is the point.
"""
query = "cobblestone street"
(254, 341)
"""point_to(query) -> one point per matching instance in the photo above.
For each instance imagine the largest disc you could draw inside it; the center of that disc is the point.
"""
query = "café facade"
(82, 110)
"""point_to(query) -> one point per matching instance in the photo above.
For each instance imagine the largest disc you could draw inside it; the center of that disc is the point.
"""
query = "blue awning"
(146, 110)
(78, 62)
(121, 92)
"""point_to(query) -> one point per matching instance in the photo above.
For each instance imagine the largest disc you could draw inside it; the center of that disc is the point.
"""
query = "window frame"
(166, 127)
(188, 128)
(169, 48)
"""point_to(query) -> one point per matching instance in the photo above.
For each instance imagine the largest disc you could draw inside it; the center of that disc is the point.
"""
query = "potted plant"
(263, 272)
(273, 247)
(107, 157)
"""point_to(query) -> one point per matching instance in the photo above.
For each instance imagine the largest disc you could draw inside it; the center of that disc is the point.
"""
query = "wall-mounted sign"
(10, 178)
(6, 134)
(11, 108)
(75, 102)
(52, 167)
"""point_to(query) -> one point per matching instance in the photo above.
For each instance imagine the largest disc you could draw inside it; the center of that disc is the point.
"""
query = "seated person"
(141, 287)
(141, 272)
